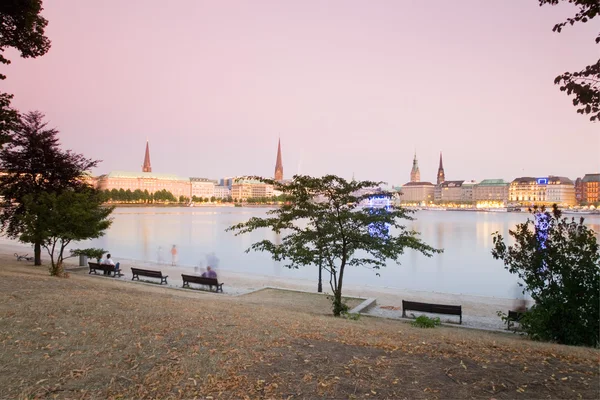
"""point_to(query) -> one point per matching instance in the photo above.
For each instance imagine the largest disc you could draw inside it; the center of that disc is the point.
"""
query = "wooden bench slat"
(431, 308)
(210, 282)
(105, 268)
(149, 273)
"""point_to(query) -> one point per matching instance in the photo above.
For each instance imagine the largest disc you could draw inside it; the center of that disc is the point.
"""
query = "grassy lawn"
(95, 337)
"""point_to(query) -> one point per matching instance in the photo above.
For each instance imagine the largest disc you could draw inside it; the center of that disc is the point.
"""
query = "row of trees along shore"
(164, 196)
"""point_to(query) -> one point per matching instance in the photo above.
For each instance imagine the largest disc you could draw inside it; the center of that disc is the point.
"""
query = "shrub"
(423, 321)
(559, 262)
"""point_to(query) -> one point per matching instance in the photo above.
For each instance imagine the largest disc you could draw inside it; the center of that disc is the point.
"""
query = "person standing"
(173, 255)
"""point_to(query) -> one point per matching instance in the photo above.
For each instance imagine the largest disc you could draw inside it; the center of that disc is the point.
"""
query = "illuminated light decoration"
(542, 223)
(542, 181)
(379, 202)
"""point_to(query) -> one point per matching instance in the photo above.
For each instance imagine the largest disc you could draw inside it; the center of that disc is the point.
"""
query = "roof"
(240, 181)
(202, 180)
(493, 182)
(451, 184)
(591, 178)
(417, 184)
(560, 180)
(525, 180)
(145, 175)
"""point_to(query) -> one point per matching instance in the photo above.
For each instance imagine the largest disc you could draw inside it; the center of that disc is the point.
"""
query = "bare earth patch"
(296, 301)
(95, 337)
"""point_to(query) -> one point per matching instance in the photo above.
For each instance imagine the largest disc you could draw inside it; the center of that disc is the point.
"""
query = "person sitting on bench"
(210, 273)
(109, 261)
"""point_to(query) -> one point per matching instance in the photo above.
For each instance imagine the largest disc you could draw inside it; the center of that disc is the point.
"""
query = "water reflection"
(466, 266)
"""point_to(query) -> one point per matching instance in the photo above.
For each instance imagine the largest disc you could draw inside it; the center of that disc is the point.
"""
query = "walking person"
(174, 255)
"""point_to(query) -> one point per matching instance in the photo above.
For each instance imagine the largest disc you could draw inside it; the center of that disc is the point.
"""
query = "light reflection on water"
(466, 266)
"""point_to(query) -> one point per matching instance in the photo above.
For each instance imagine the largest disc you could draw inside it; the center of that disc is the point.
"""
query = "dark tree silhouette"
(583, 85)
(22, 28)
(33, 163)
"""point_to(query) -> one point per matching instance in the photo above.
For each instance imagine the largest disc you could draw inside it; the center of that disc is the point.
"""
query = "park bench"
(210, 282)
(110, 269)
(512, 317)
(23, 257)
(137, 272)
(431, 308)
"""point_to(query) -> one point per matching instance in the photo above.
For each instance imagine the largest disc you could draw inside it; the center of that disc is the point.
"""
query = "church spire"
(415, 175)
(441, 176)
(279, 164)
(147, 167)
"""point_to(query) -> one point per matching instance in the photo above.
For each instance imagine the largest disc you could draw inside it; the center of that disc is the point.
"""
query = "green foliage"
(22, 28)
(35, 165)
(93, 253)
(423, 321)
(562, 275)
(583, 85)
(351, 316)
(59, 219)
(324, 223)
(138, 196)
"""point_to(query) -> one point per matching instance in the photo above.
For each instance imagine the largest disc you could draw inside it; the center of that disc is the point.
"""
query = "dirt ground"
(95, 337)
(297, 301)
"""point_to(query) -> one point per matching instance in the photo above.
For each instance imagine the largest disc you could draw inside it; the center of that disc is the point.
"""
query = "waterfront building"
(415, 175)
(145, 180)
(542, 191)
(417, 192)
(591, 188)
(560, 190)
(467, 191)
(441, 175)
(491, 192)
(152, 182)
(202, 187)
(279, 164)
(228, 181)
(222, 192)
(243, 189)
(449, 192)
(579, 191)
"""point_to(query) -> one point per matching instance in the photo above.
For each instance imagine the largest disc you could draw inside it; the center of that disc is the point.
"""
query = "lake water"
(465, 267)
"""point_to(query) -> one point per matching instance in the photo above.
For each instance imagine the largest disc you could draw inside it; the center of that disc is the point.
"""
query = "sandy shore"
(478, 311)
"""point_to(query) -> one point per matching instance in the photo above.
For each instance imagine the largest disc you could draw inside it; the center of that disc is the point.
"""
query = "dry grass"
(94, 337)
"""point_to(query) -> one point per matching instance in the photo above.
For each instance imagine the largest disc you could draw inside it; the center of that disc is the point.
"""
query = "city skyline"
(213, 89)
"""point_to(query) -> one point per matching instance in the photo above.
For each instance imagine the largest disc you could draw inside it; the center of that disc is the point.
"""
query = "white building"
(222, 192)
(202, 187)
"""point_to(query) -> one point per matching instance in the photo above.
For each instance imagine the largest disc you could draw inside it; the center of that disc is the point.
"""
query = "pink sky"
(350, 86)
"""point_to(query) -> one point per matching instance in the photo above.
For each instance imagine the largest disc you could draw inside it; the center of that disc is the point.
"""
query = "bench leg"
(186, 284)
(135, 276)
(163, 280)
(220, 288)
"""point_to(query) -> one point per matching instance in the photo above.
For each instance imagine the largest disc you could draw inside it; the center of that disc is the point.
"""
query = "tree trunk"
(320, 285)
(37, 253)
(338, 306)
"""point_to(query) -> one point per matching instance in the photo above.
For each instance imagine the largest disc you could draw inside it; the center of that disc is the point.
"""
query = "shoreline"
(478, 311)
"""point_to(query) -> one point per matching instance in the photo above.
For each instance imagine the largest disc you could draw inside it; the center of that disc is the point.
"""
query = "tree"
(33, 164)
(325, 224)
(56, 220)
(559, 262)
(22, 28)
(584, 85)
